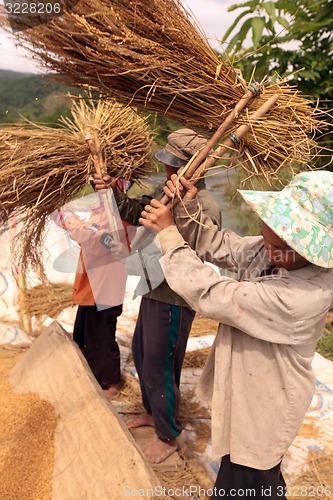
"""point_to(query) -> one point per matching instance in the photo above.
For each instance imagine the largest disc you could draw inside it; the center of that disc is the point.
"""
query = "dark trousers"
(95, 333)
(248, 482)
(159, 346)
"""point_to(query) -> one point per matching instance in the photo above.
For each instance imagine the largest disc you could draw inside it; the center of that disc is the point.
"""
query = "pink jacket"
(100, 277)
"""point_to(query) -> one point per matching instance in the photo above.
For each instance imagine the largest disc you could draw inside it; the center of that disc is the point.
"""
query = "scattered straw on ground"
(27, 425)
(197, 358)
(192, 478)
(130, 396)
(203, 326)
(191, 408)
(317, 482)
(202, 432)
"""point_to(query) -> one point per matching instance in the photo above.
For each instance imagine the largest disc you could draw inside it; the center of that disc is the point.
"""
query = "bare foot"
(160, 450)
(140, 420)
(112, 391)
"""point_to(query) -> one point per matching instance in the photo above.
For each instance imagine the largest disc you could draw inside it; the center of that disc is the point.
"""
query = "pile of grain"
(27, 425)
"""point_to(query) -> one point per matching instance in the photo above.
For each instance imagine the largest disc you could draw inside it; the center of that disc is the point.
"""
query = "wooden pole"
(24, 313)
(231, 142)
(92, 142)
(95, 153)
(252, 92)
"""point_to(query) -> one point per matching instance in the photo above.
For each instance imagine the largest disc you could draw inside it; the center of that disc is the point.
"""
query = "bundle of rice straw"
(152, 53)
(42, 168)
(48, 298)
(196, 358)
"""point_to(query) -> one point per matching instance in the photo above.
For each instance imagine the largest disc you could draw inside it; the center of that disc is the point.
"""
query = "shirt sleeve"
(91, 237)
(267, 309)
(130, 205)
(223, 248)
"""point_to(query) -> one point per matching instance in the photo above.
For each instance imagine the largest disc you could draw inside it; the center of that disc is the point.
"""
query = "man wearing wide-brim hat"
(181, 146)
(258, 377)
(165, 319)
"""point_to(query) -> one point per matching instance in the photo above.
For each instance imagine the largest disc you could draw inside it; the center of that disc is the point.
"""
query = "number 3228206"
(32, 8)
(304, 491)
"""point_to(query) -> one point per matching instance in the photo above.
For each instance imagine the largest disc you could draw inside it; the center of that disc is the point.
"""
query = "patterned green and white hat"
(301, 214)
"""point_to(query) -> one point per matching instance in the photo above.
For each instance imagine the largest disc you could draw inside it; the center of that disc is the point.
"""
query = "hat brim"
(169, 159)
(293, 225)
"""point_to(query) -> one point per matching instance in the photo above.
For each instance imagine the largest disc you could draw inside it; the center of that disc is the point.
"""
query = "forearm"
(242, 305)
(185, 272)
(130, 209)
(218, 247)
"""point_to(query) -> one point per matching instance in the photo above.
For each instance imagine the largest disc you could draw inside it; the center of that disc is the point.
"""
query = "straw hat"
(181, 146)
(301, 214)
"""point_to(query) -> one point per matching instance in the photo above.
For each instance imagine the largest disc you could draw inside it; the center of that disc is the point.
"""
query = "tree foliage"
(286, 37)
(35, 97)
(41, 99)
(289, 40)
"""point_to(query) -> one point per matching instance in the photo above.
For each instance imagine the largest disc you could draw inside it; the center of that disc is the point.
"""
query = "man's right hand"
(179, 184)
(105, 182)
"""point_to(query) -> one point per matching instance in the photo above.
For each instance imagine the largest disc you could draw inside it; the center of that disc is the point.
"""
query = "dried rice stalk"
(203, 326)
(202, 436)
(130, 396)
(153, 54)
(196, 358)
(48, 298)
(42, 168)
(191, 409)
(317, 478)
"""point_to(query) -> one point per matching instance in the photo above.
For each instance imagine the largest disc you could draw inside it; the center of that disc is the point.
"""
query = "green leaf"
(258, 24)
(325, 13)
(270, 9)
(236, 42)
(234, 24)
(309, 75)
(283, 21)
(252, 4)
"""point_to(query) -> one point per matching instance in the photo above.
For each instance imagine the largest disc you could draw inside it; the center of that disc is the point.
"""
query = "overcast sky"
(212, 15)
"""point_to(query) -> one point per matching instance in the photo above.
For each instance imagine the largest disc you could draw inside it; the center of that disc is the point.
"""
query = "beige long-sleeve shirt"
(258, 377)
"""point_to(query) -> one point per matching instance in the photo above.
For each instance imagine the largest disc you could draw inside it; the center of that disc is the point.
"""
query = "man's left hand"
(156, 216)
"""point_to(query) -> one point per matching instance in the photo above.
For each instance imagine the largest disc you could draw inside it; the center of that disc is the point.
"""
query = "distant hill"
(36, 97)
(40, 99)
(13, 74)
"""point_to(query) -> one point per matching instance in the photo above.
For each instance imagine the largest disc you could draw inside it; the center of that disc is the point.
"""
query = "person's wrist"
(165, 226)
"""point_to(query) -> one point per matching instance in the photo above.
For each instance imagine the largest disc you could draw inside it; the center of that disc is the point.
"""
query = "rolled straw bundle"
(42, 168)
(152, 53)
(48, 298)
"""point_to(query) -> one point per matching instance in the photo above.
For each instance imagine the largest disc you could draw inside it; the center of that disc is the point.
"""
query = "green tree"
(35, 97)
(286, 37)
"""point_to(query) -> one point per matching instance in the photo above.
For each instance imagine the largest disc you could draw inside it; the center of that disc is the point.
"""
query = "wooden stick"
(95, 153)
(218, 135)
(212, 159)
(229, 143)
(104, 196)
